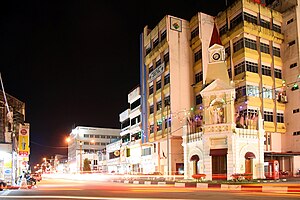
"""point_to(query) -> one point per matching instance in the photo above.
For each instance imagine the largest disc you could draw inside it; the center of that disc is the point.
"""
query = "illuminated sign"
(24, 140)
(156, 72)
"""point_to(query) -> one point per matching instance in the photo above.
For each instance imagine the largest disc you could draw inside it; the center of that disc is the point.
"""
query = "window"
(198, 99)
(158, 63)
(265, 48)
(227, 51)
(280, 118)
(158, 105)
(163, 35)
(86, 135)
(136, 136)
(146, 151)
(166, 58)
(290, 21)
(276, 51)
(198, 77)
(135, 104)
(167, 123)
(125, 138)
(151, 109)
(229, 73)
(239, 68)
(250, 18)
(103, 136)
(251, 67)
(296, 110)
(250, 44)
(151, 90)
(238, 45)
(135, 120)
(97, 136)
(265, 23)
(155, 43)
(267, 93)
(293, 65)
(252, 90)
(167, 101)
(240, 92)
(86, 143)
(124, 124)
(195, 33)
(159, 126)
(167, 79)
(292, 43)
(266, 70)
(148, 50)
(278, 73)
(150, 69)
(276, 28)
(223, 29)
(198, 55)
(151, 128)
(236, 20)
(158, 85)
(268, 116)
(296, 133)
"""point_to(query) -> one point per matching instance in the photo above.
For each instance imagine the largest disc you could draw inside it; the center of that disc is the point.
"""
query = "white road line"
(79, 197)
(5, 193)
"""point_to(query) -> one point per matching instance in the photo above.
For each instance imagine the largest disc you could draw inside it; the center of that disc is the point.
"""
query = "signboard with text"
(23, 143)
(156, 72)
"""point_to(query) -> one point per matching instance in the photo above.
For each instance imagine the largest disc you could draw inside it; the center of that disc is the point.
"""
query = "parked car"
(37, 176)
(2, 184)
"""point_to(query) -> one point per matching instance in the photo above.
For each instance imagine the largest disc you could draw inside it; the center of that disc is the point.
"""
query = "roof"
(215, 38)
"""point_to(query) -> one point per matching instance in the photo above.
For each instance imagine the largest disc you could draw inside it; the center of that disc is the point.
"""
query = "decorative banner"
(24, 140)
(175, 24)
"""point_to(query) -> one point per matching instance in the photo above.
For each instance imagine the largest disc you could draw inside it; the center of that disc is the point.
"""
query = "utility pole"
(10, 120)
(168, 142)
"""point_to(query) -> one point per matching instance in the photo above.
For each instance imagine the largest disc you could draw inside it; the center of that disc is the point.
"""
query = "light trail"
(81, 197)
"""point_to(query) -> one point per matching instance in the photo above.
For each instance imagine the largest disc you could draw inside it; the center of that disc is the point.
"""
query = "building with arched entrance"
(222, 147)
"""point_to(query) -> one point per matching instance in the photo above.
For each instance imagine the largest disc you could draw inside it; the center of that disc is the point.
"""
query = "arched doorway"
(249, 156)
(195, 159)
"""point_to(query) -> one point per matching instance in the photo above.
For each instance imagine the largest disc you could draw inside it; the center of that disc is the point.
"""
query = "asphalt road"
(105, 190)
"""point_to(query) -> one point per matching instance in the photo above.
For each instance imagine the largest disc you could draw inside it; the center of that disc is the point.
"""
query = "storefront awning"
(195, 158)
(249, 155)
(218, 152)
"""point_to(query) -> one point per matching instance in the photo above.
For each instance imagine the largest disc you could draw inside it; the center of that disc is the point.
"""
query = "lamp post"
(168, 142)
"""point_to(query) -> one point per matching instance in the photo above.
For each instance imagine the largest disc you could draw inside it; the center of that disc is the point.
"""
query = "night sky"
(74, 62)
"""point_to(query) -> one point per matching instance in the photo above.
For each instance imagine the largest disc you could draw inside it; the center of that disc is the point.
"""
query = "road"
(105, 190)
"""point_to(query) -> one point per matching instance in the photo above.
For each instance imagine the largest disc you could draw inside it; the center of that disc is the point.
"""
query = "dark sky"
(74, 62)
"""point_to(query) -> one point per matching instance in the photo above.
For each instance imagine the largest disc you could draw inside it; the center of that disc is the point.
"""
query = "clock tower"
(217, 67)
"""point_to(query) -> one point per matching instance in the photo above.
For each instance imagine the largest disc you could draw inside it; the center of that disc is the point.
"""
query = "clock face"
(216, 56)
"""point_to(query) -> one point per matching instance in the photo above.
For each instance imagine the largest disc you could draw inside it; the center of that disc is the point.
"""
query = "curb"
(222, 187)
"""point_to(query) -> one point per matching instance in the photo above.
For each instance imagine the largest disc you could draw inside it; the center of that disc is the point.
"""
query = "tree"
(86, 165)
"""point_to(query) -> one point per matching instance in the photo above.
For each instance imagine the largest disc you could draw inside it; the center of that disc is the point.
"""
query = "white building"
(88, 142)
(131, 149)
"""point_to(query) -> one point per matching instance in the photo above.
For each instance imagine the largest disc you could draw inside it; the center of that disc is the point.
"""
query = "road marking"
(79, 197)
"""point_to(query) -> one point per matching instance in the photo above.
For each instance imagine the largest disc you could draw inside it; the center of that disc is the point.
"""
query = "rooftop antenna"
(9, 114)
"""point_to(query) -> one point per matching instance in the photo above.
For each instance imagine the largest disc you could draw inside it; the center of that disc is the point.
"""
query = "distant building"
(89, 142)
(14, 139)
